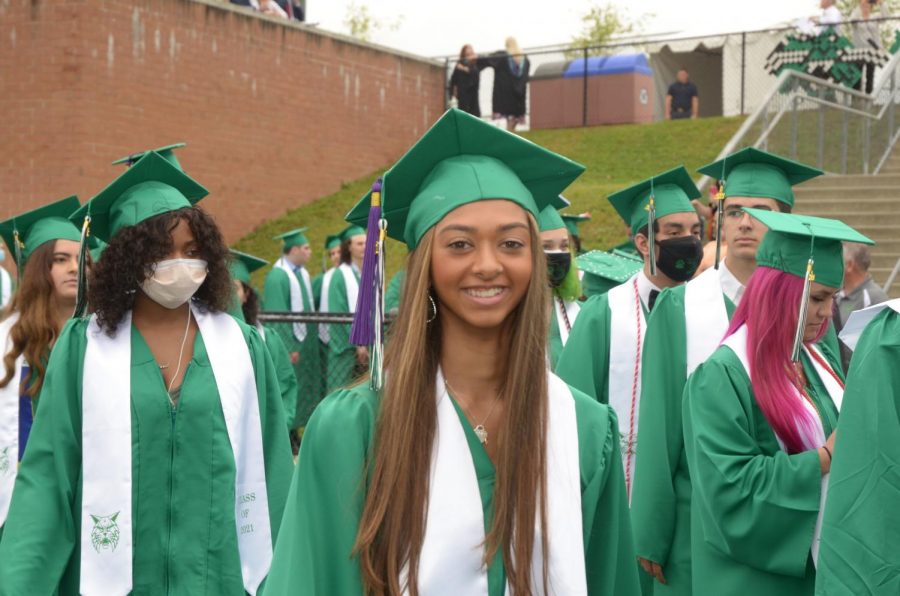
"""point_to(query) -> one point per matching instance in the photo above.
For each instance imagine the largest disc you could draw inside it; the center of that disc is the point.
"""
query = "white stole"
(572, 310)
(5, 289)
(296, 293)
(705, 317)
(106, 516)
(451, 561)
(626, 340)
(352, 288)
(737, 342)
(9, 420)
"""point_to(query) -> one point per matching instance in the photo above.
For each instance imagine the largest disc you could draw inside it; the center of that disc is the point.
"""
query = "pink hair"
(769, 308)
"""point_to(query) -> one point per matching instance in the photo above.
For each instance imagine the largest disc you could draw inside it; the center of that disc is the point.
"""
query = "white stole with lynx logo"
(9, 421)
(106, 517)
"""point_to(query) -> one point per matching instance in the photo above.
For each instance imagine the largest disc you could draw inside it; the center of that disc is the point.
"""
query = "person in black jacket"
(465, 80)
(511, 70)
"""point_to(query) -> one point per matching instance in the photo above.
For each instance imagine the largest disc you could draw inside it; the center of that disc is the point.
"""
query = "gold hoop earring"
(434, 310)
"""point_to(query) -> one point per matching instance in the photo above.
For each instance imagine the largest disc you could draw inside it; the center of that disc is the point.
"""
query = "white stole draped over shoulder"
(352, 288)
(296, 293)
(9, 420)
(628, 327)
(451, 562)
(106, 515)
(705, 317)
(6, 290)
(813, 438)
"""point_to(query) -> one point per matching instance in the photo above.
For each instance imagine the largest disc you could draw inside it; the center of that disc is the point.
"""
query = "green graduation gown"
(284, 370)
(308, 370)
(394, 291)
(184, 535)
(340, 353)
(661, 501)
(753, 507)
(556, 339)
(313, 554)
(861, 529)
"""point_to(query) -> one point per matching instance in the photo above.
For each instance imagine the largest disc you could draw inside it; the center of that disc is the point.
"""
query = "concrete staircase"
(871, 204)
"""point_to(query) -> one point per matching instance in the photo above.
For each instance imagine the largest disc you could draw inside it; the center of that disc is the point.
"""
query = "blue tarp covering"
(608, 65)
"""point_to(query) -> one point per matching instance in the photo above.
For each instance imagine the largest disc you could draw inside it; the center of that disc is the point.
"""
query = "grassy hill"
(615, 156)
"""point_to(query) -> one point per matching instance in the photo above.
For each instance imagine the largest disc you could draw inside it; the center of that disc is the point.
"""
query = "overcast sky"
(435, 27)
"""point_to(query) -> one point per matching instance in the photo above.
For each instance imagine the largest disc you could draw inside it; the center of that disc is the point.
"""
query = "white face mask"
(174, 281)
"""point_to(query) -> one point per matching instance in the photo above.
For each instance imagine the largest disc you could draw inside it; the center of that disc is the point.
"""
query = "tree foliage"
(362, 24)
(601, 24)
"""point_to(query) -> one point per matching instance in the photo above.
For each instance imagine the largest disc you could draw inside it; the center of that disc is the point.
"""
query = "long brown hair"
(35, 331)
(392, 528)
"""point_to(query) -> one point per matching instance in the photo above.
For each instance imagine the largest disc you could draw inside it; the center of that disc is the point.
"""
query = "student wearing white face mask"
(563, 277)
(161, 465)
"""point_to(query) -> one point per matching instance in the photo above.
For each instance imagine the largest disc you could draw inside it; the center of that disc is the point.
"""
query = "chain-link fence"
(627, 81)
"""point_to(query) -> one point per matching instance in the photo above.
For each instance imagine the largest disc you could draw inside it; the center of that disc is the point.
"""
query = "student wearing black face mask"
(603, 354)
(563, 277)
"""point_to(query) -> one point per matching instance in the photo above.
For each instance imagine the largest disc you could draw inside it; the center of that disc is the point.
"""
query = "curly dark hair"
(251, 306)
(131, 254)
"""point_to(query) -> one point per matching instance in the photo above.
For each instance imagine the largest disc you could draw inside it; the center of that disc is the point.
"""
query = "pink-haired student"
(760, 417)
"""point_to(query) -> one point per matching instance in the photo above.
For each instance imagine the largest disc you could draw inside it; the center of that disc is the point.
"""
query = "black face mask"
(680, 257)
(558, 265)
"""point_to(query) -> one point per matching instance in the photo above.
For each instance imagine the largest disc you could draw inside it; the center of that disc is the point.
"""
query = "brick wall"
(274, 114)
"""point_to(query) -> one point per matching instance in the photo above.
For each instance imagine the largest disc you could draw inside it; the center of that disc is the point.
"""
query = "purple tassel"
(363, 330)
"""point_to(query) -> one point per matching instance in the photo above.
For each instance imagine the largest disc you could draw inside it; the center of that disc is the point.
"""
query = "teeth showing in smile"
(484, 292)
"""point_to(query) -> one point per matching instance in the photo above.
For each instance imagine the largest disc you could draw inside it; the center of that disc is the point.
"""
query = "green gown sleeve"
(287, 379)
(394, 291)
(555, 345)
(316, 284)
(861, 526)
(608, 549)
(41, 531)
(337, 302)
(757, 505)
(313, 554)
(654, 500)
(584, 363)
(276, 446)
(277, 298)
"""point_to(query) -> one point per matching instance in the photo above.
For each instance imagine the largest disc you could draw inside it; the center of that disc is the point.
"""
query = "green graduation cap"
(351, 231)
(26, 232)
(604, 270)
(752, 172)
(242, 265)
(794, 240)
(549, 218)
(672, 190)
(808, 247)
(150, 187)
(571, 222)
(459, 160)
(332, 241)
(293, 238)
(167, 152)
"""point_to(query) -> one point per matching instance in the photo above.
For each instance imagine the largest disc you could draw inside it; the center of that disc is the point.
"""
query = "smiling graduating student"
(687, 325)
(44, 245)
(158, 461)
(760, 417)
(603, 355)
(424, 487)
(565, 288)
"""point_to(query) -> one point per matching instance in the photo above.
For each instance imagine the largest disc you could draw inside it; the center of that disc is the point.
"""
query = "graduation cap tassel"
(83, 251)
(18, 245)
(651, 223)
(808, 278)
(720, 220)
(376, 356)
(363, 333)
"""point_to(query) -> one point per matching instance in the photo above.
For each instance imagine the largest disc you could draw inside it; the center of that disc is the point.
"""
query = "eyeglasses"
(738, 212)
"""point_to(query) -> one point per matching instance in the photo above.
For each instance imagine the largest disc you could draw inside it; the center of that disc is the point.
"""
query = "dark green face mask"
(558, 265)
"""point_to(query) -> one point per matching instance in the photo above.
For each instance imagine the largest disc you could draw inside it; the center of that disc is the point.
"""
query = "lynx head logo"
(4, 461)
(105, 534)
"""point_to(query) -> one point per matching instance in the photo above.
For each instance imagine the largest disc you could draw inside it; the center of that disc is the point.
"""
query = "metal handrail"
(784, 78)
(893, 276)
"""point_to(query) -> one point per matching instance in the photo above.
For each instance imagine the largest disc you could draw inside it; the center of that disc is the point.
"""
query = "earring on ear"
(434, 310)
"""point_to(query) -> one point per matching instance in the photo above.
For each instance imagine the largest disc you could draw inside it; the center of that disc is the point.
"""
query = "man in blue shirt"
(682, 100)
